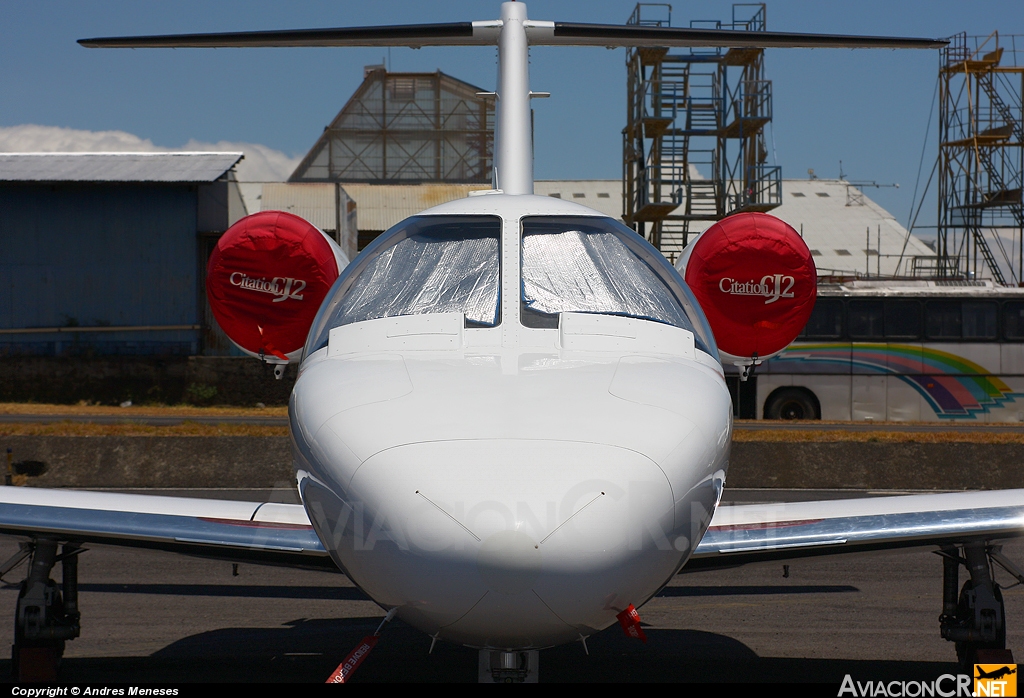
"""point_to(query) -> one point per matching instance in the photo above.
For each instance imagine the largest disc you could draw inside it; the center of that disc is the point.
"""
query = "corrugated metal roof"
(924, 288)
(383, 205)
(252, 195)
(833, 215)
(115, 167)
(380, 206)
(843, 227)
(604, 195)
(314, 202)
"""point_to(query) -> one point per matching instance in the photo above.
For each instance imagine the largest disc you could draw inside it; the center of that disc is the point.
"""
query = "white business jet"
(511, 426)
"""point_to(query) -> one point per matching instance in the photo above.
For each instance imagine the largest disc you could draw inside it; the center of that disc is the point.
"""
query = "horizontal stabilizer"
(573, 34)
(486, 33)
(453, 34)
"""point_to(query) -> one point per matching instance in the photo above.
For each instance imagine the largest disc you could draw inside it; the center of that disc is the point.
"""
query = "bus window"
(1013, 320)
(942, 319)
(946, 352)
(864, 319)
(826, 321)
(902, 319)
(979, 320)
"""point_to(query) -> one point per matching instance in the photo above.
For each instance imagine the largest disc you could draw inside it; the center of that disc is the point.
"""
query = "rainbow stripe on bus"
(953, 387)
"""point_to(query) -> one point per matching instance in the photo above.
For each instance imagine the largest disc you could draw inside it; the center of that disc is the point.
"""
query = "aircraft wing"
(266, 533)
(280, 534)
(741, 534)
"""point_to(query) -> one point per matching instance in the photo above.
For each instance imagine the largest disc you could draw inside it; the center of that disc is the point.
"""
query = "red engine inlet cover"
(266, 279)
(755, 280)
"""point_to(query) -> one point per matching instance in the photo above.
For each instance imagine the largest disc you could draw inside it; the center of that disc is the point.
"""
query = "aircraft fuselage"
(510, 486)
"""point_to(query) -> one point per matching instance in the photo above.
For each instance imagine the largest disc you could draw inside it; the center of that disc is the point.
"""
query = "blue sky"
(868, 108)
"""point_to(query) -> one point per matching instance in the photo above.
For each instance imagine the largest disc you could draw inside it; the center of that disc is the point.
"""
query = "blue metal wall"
(98, 254)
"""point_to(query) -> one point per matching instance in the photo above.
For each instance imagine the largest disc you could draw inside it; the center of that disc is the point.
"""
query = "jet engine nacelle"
(756, 282)
(266, 280)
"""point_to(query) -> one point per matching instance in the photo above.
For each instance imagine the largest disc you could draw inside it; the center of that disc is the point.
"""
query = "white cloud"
(261, 163)
(30, 138)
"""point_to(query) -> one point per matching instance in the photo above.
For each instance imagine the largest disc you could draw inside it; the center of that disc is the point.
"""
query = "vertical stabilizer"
(513, 137)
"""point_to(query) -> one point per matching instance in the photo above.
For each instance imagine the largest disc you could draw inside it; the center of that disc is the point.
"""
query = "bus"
(898, 351)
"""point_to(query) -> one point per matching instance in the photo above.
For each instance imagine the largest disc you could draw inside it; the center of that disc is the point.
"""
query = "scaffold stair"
(987, 84)
(986, 254)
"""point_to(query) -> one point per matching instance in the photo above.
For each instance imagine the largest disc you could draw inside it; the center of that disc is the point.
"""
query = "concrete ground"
(157, 617)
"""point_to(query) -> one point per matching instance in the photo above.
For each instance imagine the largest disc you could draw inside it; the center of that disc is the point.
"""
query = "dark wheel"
(791, 403)
(36, 661)
(966, 652)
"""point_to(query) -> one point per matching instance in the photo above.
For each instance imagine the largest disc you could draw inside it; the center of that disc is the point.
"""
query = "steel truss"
(693, 146)
(981, 158)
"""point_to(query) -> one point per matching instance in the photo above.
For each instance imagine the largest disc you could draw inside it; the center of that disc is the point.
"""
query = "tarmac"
(739, 424)
(155, 617)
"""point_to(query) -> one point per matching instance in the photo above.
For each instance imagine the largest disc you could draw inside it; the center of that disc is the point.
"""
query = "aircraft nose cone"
(504, 542)
(509, 562)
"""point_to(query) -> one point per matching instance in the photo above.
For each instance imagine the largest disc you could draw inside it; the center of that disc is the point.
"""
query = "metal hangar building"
(105, 253)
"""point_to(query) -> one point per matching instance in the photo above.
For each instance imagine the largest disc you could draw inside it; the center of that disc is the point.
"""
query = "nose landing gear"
(47, 614)
(497, 666)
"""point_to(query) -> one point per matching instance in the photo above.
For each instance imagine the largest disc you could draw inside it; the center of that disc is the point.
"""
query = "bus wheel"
(791, 403)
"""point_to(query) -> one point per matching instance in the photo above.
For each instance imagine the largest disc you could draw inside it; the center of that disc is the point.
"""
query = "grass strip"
(86, 410)
(891, 437)
(186, 428)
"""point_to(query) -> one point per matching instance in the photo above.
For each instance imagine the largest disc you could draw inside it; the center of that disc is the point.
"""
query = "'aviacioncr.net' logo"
(995, 680)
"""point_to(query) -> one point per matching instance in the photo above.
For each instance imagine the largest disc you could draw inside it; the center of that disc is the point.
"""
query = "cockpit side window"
(426, 264)
(596, 265)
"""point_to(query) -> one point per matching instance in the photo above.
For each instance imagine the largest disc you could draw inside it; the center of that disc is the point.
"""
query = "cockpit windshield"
(596, 265)
(425, 264)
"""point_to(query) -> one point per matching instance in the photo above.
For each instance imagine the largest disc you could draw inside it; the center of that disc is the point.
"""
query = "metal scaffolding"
(406, 128)
(981, 158)
(693, 146)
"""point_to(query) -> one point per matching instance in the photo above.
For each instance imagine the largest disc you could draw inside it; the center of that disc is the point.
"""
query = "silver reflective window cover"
(586, 265)
(425, 274)
(424, 265)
